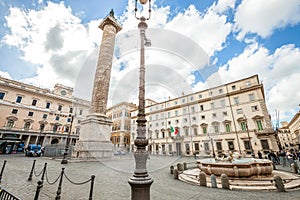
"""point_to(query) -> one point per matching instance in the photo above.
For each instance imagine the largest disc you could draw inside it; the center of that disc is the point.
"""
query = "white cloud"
(284, 96)
(52, 38)
(224, 5)
(209, 29)
(278, 72)
(5, 75)
(263, 17)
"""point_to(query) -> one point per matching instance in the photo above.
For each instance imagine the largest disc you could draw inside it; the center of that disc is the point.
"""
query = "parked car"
(119, 153)
(20, 147)
(33, 150)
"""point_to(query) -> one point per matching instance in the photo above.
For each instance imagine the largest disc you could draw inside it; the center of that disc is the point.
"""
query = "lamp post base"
(64, 160)
(140, 188)
(140, 182)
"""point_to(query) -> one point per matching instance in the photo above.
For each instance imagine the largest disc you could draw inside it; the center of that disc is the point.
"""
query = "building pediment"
(203, 124)
(43, 122)
(257, 117)
(28, 120)
(12, 118)
(240, 119)
(226, 121)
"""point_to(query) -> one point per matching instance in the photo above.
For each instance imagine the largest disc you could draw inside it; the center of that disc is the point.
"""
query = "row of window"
(220, 91)
(119, 115)
(34, 102)
(208, 146)
(215, 129)
(184, 111)
(55, 128)
(45, 116)
(212, 104)
(185, 120)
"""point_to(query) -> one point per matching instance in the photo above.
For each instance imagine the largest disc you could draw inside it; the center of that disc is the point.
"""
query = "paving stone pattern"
(111, 180)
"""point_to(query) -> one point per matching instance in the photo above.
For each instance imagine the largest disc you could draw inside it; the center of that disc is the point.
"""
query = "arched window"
(27, 125)
(10, 123)
(54, 141)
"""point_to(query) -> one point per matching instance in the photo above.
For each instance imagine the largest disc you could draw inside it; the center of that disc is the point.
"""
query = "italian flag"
(172, 129)
(176, 131)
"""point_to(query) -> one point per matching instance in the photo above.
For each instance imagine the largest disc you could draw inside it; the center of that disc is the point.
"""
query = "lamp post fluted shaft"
(140, 182)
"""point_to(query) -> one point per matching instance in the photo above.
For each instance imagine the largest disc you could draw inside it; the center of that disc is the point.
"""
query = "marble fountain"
(235, 166)
(243, 173)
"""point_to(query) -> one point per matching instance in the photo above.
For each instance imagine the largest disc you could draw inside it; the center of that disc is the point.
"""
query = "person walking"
(290, 157)
(283, 158)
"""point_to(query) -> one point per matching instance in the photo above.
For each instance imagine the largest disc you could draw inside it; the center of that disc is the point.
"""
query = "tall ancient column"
(110, 28)
(94, 139)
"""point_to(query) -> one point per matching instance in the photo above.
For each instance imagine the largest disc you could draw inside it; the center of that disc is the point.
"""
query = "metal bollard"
(297, 164)
(213, 181)
(44, 170)
(175, 174)
(184, 166)
(58, 193)
(2, 170)
(31, 172)
(202, 179)
(279, 184)
(92, 186)
(179, 167)
(38, 189)
(171, 169)
(225, 181)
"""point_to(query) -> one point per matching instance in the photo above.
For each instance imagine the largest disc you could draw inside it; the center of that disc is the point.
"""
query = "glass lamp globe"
(143, 1)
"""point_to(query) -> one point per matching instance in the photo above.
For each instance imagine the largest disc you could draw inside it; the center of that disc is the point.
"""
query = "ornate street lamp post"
(65, 160)
(140, 182)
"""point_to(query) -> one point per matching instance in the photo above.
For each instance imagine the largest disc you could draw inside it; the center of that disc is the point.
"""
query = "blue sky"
(45, 42)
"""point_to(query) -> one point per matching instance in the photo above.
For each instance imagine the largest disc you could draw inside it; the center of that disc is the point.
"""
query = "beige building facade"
(120, 116)
(284, 136)
(289, 133)
(294, 127)
(40, 116)
(230, 117)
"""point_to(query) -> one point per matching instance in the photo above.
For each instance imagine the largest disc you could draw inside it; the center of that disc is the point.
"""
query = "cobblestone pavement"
(111, 180)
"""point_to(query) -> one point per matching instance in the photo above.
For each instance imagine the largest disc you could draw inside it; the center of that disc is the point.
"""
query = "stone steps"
(291, 181)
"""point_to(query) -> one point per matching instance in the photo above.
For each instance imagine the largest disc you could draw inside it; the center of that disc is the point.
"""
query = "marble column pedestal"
(94, 139)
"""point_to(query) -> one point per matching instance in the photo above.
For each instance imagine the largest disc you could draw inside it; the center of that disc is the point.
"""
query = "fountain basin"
(243, 167)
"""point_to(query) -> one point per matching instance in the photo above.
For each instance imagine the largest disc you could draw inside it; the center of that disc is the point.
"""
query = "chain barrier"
(48, 179)
(37, 175)
(82, 183)
(44, 172)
